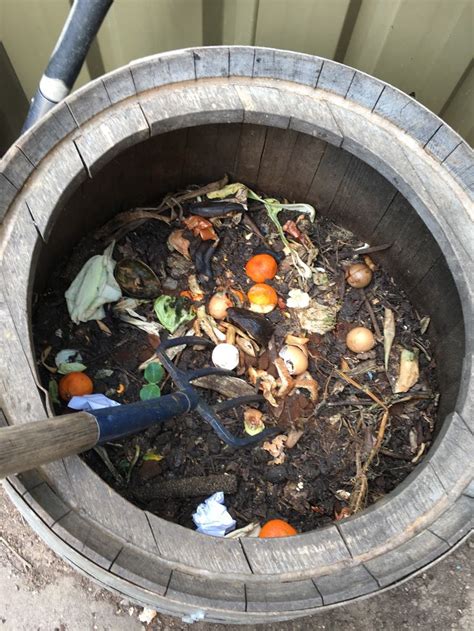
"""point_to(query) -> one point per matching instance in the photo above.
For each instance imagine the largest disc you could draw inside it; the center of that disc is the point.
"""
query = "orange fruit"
(262, 298)
(261, 267)
(277, 528)
(75, 384)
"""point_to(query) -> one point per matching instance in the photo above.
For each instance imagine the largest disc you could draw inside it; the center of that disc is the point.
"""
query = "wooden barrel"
(365, 155)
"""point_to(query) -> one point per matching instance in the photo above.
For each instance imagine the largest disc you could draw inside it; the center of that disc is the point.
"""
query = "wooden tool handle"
(30, 445)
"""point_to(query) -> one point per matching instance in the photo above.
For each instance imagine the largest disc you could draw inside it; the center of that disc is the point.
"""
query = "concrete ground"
(40, 592)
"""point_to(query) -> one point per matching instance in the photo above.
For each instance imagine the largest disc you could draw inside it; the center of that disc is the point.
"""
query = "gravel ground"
(40, 592)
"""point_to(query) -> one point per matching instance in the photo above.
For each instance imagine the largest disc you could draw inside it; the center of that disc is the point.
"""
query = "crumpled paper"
(89, 402)
(211, 516)
(93, 287)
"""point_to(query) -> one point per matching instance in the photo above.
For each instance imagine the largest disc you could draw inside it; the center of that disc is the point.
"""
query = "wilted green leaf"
(227, 191)
(67, 356)
(133, 462)
(151, 455)
(424, 324)
(172, 312)
(154, 372)
(53, 391)
(66, 368)
(150, 391)
(273, 207)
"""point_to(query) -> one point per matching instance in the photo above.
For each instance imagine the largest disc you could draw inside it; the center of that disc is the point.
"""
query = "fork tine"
(233, 403)
(183, 379)
(204, 372)
(184, 340)
(208, 414)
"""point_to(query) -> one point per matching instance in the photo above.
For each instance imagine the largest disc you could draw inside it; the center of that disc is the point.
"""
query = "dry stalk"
(188, 195)
(375, 324)
(359, 493)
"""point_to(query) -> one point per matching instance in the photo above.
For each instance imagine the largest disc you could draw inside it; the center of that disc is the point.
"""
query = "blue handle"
(122, 420)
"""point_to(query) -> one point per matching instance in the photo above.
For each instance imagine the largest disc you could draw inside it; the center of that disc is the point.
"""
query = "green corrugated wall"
(423, 47)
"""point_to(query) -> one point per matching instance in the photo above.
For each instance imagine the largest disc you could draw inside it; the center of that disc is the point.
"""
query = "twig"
(378, 442)
(192, 194)
(375, 324)
(104, 456)
(373, 248)
(364, 389)
(15, 553)
(352, 402)
(392, 454)
(419, 453)
(361, 484)
(326, 387)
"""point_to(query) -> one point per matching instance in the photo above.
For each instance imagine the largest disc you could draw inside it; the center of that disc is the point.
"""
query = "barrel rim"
(336, 86)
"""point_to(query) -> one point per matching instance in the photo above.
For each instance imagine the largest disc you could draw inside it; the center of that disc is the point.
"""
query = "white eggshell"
(295, 360)
(225, 356)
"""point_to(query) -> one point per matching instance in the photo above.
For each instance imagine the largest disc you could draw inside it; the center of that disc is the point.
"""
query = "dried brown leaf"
(293, 437)
(388, 334)
(286, 380)
(124, 222)
(176, 241)
(103, 327)
(409, 371)
(276, 449)
(245, 346)
(44, 356)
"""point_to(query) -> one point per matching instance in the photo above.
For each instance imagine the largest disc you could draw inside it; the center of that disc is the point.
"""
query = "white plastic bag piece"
(89, 402)
(196, 616)
(211, 517)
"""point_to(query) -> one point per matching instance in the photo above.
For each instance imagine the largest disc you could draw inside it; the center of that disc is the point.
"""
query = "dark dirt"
(312, 486)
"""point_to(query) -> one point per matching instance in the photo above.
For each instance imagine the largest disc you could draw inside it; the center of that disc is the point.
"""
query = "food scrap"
(277, 528)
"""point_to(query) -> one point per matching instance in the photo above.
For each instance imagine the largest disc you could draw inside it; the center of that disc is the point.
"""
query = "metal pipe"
(82, 24)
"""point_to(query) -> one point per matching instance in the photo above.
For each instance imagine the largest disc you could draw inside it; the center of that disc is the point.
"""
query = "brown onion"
(360, 340)
(358, 275)
(218, 305)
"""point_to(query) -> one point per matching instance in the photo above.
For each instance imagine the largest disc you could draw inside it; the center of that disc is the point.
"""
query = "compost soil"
(312, 487)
